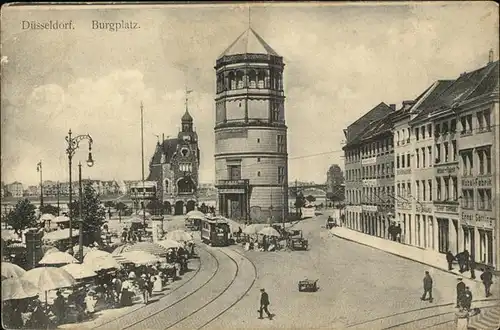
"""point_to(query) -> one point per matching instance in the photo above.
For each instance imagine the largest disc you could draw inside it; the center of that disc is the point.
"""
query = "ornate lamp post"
(80, 197)
(73, 145)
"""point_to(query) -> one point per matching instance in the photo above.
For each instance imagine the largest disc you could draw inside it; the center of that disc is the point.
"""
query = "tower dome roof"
(249, 42)
(187, 117)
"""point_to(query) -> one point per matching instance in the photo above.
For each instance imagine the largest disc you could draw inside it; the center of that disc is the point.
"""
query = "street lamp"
(39, 169)
(73, 145)
(80, 194)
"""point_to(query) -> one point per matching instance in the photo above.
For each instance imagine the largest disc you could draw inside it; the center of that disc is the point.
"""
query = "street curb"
(407, 258)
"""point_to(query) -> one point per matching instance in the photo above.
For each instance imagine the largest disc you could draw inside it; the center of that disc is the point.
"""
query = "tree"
(22, 216)
(311, 198)
(49, 209)
(94, 214)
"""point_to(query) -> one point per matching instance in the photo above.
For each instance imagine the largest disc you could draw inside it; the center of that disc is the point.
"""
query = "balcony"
(446, 206)
(448, 168)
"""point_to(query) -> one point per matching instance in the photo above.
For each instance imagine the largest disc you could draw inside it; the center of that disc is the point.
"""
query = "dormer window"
(185, 152)
(186, 138)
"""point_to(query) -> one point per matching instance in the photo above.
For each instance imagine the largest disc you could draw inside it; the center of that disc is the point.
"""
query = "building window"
(454, 182)
(467, 162)
(258, 160)
(466, 123)
(417, 187)
(453, 125)
(454, 150)
(234, 172)
(430, 189)
(446, 188)
(437, 130)
(487, 119)
(429, 130)
(423, 132)
(424, 191)
(423, 157)
(417, 133)
(258, 173)
(417, 157)
(484, 156)
(397, 161)
(408, 161)
(258, 140)
(281, 175)
(438, 153)
(429, 152)
(467, 198)
(275, 112)
(445, 128)
(281, 143)
(438, 188)
(446, 152)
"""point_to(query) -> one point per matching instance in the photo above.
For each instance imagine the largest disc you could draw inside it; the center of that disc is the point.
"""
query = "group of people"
(395, 232)
(466, 263)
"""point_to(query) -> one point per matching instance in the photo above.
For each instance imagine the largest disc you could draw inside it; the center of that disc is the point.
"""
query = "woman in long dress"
(157, 284)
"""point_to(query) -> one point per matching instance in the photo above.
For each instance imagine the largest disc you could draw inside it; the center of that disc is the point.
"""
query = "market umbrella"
(269, 231)
(195, 214)
(61, 218)
(135, 220)
(18, 288)
(47, 217)
(57, 258)
(49, 278)
(151, 248)
(169, 244)
(179, 236)
(79, 271)
(86, 249)
(100, 260)
(10, 270)
(50, 250)
(137, 257)
(254, 228)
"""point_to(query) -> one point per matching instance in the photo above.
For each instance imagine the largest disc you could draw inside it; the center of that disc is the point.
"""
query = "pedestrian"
(487, 278)
(467, 299)
(398, 233)
(427, 286)
(144, 287)
(461, 262)
(472, 267)
(264, 302)
(460, 292)
(449, 259)
(466, 260)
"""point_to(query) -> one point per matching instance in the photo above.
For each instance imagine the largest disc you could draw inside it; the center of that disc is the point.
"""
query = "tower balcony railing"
(232, 183)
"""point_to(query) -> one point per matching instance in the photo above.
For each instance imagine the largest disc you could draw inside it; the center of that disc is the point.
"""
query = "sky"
(341, 61)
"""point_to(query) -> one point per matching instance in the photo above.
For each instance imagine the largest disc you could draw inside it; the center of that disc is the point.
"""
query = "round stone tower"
(251, 159)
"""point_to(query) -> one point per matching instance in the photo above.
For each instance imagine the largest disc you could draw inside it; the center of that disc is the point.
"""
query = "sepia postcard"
(250, 165)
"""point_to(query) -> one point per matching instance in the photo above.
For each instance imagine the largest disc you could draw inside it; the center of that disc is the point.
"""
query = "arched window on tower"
(232, 80)
(239, 80)
(252, 79)
(166, 186)
(260, 79)
(280, 81)
(276, 81)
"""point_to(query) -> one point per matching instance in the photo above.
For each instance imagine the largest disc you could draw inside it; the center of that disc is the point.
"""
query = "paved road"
(360, 288)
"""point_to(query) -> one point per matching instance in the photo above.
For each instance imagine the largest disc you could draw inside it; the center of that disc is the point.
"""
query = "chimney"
(393, 106)
(490, 57)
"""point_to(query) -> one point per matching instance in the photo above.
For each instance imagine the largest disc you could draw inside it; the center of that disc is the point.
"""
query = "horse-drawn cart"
(308, 285)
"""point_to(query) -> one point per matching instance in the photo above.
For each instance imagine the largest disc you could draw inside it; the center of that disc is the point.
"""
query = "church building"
(251, 158)
(174, 167)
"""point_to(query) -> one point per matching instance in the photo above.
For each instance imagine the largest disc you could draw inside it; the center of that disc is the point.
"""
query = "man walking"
(487, 278)
(449, 259)
(264, 302)
(427, 286)
(460, 292)
(467, 299)
(472, 267)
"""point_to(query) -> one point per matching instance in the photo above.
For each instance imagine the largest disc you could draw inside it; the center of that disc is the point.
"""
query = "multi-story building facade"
(15, 189)
(454, 177)
(175, 167)
(369, 168)
(251, 159)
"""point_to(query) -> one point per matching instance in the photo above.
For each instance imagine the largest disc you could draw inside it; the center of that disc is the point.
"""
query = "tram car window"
(215, 232)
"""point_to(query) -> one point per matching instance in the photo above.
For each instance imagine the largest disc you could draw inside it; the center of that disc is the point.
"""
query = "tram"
(215, 232)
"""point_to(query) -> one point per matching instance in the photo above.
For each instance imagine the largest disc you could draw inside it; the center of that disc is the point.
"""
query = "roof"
(187, 117)
(249, 42)
(381, 126)
(367, 122)
(467, 86)
(167, 148)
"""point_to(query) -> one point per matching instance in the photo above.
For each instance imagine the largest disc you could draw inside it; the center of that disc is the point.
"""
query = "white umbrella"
(269, 231)
(137, 257)
(10, 270)
(47, 217)
(99, 260)
(195, 214)
(61, 218)
(179, 236)
(49, 278)
(254, 228)
(9, 235)
(79, 271)
(169, 244)
(18, 288)
(56, 258)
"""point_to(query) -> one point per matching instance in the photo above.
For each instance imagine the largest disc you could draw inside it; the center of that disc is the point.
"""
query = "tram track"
(113, 322)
